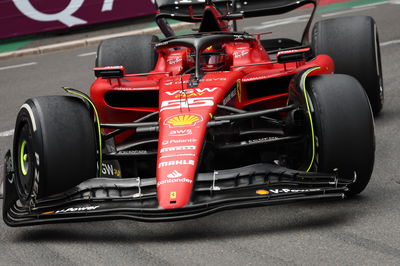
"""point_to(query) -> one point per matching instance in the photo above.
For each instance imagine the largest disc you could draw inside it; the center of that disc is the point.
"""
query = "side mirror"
(293, 55)
(109, 72)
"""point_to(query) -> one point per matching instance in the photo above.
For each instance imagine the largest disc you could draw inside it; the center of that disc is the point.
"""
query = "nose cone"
(184, 114)
(174, 189)
(180, 142)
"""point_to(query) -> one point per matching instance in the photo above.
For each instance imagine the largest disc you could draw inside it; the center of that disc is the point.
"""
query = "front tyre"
(344, 128)
(54, 146)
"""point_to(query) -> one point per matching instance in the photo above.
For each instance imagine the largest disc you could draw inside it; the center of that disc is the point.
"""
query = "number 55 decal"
(187, 103)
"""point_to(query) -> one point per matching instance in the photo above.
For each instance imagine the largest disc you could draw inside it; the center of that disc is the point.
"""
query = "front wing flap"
(136, 199)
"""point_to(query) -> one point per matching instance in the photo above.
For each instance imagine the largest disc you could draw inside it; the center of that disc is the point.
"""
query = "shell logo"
(183, 120)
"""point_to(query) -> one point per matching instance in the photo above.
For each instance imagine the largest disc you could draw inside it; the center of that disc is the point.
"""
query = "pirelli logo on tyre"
(183, 120)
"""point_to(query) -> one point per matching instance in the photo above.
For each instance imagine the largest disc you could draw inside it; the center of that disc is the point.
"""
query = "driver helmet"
(213, 58)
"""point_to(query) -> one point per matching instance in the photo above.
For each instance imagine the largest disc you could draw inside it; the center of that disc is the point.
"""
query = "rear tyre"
(353, 44)
(344, 128)
(136, 53)
(54, 146)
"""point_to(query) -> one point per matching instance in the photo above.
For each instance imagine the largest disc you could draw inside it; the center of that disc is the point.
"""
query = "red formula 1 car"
(194, 124)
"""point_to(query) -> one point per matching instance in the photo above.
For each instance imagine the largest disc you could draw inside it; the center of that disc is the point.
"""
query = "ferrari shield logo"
(172, 195)
(239, 90)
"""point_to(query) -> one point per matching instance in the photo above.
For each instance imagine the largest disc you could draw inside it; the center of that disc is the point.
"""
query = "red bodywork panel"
(184, 112)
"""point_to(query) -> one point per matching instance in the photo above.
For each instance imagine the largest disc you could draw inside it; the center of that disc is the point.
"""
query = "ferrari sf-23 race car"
(190, 125)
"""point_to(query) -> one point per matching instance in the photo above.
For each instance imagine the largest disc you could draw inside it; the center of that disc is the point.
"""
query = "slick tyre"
(353, 44)
(54, 146)
(135, 53)
(343, 128)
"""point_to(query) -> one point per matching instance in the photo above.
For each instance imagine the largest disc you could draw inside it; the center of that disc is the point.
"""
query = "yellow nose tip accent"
(262, 192)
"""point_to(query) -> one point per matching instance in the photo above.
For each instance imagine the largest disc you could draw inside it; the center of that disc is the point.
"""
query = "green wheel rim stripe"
(23, 158)
(303, 84)
(78, 93)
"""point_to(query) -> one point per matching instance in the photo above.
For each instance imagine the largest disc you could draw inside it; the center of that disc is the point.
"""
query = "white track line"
(17, 66)
(389, 43)
(7, 133)
(355, 9)
(359, 8)
(373, 4)
(88, 41)
(302, 18)
(87, 54)
(278, 22)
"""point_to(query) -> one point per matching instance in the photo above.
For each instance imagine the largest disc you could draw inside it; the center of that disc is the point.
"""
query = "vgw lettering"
(190, 92)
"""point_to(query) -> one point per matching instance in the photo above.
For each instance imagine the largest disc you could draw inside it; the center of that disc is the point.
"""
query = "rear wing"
(192, 10)
(197, 10)
(189, 10)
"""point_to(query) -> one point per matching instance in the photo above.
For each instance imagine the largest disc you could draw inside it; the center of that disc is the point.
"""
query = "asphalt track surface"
(361, 231)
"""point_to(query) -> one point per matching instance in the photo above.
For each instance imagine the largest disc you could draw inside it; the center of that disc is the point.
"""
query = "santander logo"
(174, 174)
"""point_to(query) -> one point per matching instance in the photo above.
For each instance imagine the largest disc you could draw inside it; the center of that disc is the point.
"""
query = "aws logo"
(183, 120)
(179, 133)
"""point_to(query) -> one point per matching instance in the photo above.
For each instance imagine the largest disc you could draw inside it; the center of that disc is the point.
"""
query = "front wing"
(136, 199)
